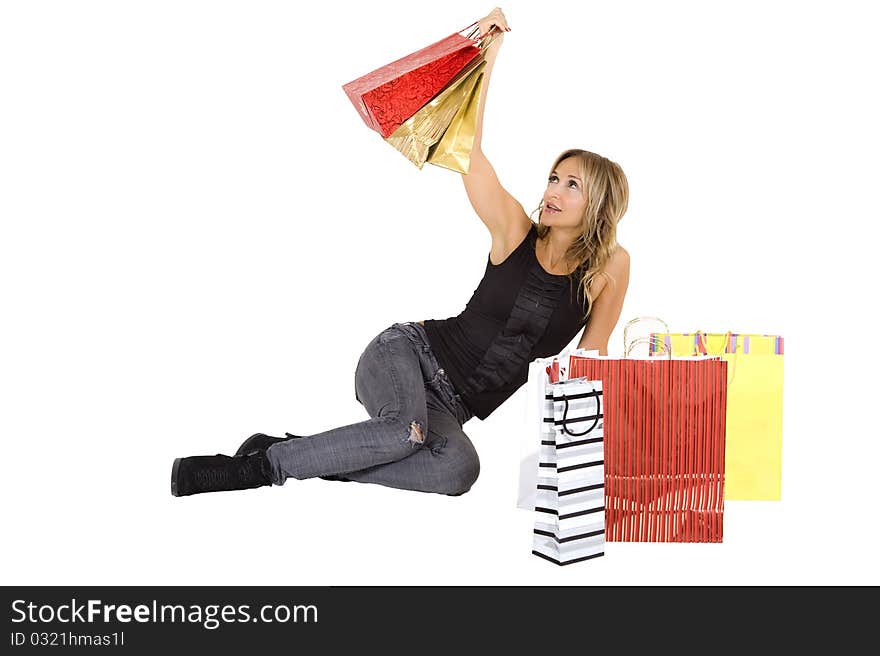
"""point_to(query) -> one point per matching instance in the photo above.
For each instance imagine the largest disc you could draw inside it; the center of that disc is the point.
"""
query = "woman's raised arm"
(502, 214)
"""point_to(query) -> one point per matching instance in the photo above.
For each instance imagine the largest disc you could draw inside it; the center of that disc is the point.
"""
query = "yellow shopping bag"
(753, 454)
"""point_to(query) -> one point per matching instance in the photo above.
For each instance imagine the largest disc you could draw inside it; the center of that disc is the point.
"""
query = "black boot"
(219, 473)
(261, 442)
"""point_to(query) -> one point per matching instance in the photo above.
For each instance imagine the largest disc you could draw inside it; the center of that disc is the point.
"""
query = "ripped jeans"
(413, 440)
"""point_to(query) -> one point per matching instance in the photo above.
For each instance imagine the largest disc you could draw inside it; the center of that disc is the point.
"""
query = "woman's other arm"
(503, 215)
(608, 304)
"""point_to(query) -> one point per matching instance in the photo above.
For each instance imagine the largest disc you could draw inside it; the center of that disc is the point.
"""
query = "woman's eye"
(572, 182)
(552, 178)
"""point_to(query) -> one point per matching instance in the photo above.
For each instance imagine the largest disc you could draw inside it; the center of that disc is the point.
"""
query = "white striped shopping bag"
(570, 497)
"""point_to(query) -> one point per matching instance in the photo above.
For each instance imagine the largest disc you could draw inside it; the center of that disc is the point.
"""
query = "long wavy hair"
(607, 194)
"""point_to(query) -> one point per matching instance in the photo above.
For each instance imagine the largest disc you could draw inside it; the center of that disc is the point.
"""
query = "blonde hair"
(607, 194)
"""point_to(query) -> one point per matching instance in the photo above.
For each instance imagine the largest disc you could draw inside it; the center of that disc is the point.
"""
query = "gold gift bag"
(425, 129)
(453, 151)
(753, 456)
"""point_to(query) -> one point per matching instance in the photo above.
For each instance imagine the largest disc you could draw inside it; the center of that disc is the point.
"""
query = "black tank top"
(518, 312)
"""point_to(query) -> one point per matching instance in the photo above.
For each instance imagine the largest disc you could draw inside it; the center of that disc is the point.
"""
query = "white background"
(200, 236)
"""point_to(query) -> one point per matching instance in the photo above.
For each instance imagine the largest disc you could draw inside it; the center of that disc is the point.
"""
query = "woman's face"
(564, 200)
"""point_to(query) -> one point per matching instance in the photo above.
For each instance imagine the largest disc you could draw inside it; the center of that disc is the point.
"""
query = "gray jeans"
(414, 439)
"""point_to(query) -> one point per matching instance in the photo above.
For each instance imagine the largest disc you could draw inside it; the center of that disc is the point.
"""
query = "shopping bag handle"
(595, 421)
(472, 32)
(470, 29)
(631, 322)
(704, 344)
(653, 339)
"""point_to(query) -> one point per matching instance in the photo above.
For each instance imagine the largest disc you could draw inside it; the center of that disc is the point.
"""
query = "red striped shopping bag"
(664, 446)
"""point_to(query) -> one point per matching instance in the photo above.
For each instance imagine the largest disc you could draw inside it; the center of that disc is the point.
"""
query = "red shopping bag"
(664, 446)
(388, 96)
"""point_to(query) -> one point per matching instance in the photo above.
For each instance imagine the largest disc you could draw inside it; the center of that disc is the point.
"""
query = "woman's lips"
(551, 210)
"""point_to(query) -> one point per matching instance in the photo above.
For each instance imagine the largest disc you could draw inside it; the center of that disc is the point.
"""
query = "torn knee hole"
(416, 436)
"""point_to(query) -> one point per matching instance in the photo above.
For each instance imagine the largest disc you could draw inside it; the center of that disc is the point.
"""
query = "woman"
(421, 381)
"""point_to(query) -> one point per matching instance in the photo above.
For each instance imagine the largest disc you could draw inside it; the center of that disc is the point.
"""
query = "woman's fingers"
(495, 18)
(500, 19)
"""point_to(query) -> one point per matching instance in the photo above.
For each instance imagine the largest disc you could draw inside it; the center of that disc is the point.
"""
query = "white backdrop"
(200, 236)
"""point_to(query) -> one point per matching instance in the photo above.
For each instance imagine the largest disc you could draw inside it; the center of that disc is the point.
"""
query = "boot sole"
(174, 470)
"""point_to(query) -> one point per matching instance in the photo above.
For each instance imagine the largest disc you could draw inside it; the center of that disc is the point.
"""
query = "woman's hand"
(495, 18)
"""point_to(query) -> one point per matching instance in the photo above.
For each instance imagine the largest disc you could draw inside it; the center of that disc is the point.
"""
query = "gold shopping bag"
(753, 456)
(453, 151)
(426, 128)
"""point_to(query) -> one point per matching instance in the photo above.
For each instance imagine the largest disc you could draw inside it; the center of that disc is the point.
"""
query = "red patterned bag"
(388, 96)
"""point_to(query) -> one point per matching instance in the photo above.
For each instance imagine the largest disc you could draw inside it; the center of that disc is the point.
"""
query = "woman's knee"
(463, 475)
